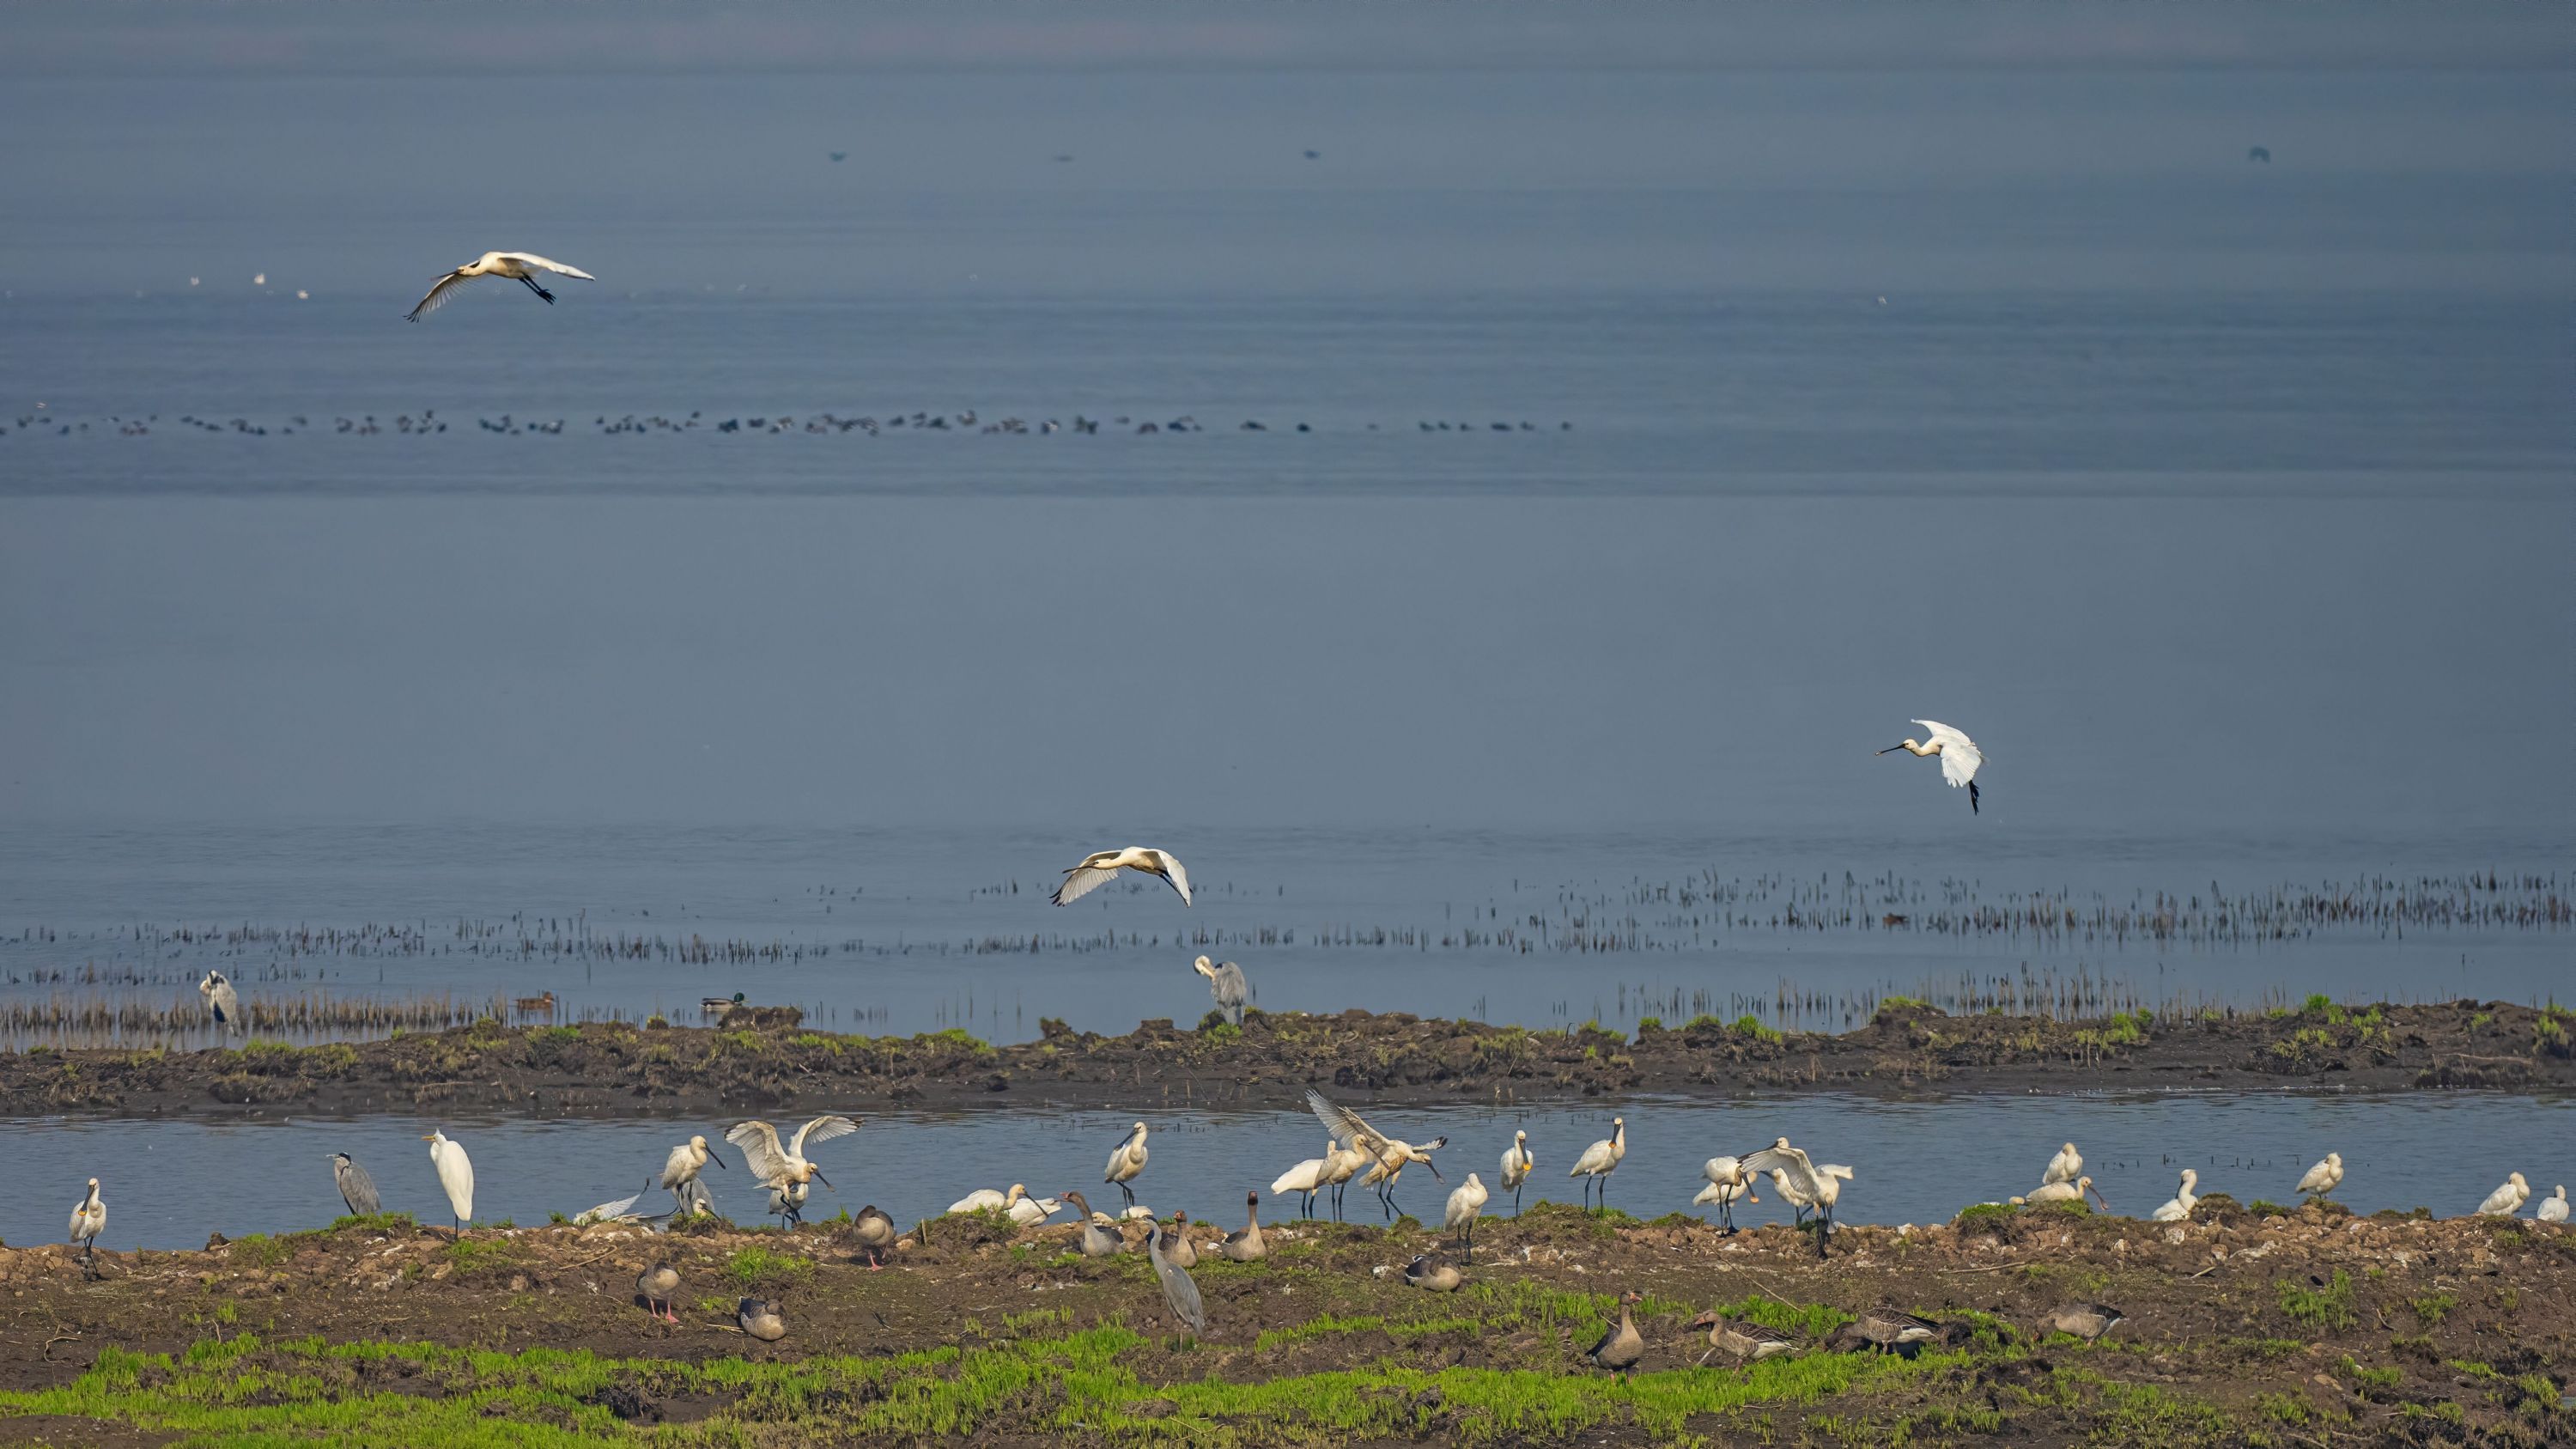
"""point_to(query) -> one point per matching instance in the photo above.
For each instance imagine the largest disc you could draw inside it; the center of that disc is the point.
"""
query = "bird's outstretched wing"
(531, 259)
(1960, 756)
(444, 288)
(1172, 872)
(1791, 1163)
(821, 1129)
(1344, 1123)
(607, 1212)
(1082, 880)
(760, 1150)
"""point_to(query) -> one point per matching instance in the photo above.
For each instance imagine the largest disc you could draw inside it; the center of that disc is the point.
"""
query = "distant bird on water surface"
(517, 266)
(1960, 757)
(1099, 867)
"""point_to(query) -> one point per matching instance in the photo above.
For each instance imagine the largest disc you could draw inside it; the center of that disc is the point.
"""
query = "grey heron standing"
(1178, 1291)
(1227, 986)
(357, 1189)
(222, 1001)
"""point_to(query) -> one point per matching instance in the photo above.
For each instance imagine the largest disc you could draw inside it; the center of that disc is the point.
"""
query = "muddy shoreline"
(764, 1059)
(2240, 1329)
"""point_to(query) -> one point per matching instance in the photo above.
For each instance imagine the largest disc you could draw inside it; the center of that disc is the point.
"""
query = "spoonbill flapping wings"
(1392, 1156)
(1801, 1178)
(774, 1164)
(1100, 866)
(517, 266)
(1959, 754)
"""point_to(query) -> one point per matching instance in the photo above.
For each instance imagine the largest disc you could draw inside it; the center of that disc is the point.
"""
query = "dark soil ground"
(2310, 1328)
(763, 1060)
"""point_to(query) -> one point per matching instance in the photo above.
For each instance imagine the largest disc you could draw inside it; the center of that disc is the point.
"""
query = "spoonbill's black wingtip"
(1972, 798)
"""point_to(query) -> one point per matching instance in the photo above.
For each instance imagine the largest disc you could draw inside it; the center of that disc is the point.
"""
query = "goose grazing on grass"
(2179, 1206)
(875, 1233)
(222, 1002)
(1517, 1163)
(2064, 1167)
(1466, 1201)
(772, 1162)
(2507, 1200)
(1179, 1293)
(1126, 1160)
(2325, 1177)
(1390, 1154)
(1434, 1273)
(2087, 1321)
(1741, 1339)
(1094, 1241)
(683, 1166)
(1621, 1347)
(89, 1219)
(1800, 1178)
(1959, 755)
(657, 1284)
(1890, 1328)
(1247, 1245)
(517, 266)
(1227, 986)
(1600, 1160)
(1727, 1181)
(1101, 866)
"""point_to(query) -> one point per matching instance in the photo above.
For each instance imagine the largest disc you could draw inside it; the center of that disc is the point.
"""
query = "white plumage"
(772, 1163)
(1101, 866)
(1798, 1178)
(517, 266)
(455, 1177)
(2507, 1200)
(1959, 755)
(89, 1219)
(2553, 1208)
(1517, 1163)
(1126, 1160)
(1465, 1202)
(1601, 1159)
(683, 1166)
(2323, 1177)
(2187, 1196)
(2064, 1167)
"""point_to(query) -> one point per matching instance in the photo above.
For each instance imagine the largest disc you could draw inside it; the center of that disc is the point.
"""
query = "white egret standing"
(1307, 1177)
(1517, 1163)
(1178, 1291)
(2185, 1198)
(1959, 754)
(1821, 1186)
(2507, 1200)
(1465, 1202)
(455, 1175)
(2064, 1167)
(2324, 1177)
(1099, 867)
(89, 1219)
(1227, 986)
(683, 1166)
(772, 1163)
(1126, 1160)
(1601, 1159)
(2553, 1208)
(1727, 1181)
(1391, 1155)
(517, 266)
(221, 1000)
(356, 1188)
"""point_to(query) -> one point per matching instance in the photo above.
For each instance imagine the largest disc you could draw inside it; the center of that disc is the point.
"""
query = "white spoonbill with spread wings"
(1959, 755)
(1801, 1178)
(1099, 867)
(774, 1164)
(1391, 1156)
(517, 266)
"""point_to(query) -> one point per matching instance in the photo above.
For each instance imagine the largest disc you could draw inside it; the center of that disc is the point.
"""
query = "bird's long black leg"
(540, 291)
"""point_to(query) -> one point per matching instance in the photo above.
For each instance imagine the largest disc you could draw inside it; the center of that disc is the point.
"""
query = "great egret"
(657, 1284)
(2324, 1177)
(1465, 1202)
(1799, 1177)
(760, 1317)
(1434, 1273)
(2068, 1192)
(517, 266)
(1959, 754)
(1391, 1155)
(2553, 1208)
(1600, 1160)
(1517, 1163)
(2507, 1200)
(2179, 1206)
(1742, 1339)
(685, 1163)
(2064, 1167)
(357, 1190)
(772, 1163)
(2084, 1320)
(89, 1219)
(1621, 1347)
(455, 1174)
(1100, 866)
(1246, 1245)
(1125, 1161)
(1226, 986)
(875, 1232)
(221, 1000)
(1306, 1178)
(1178, 1291)
(1727, 1181)
(1094, 1240)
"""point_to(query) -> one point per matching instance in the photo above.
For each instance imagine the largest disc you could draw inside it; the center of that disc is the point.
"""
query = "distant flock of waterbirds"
(963, 421)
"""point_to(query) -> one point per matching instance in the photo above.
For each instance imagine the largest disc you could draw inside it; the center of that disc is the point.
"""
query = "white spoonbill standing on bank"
(2324, 1177)
(774, 1164)
(455, 1176)
(1126, 1160)
(89, 1219)
(517, 266)
(2507, 1200)
(1799, 1177)
(1959, 754)
(2066, 1166)
(2185, 1198)
(1517, 1163)
(1101, 866)
(1601, 1159)
(1465, 1203)
(683, 1166)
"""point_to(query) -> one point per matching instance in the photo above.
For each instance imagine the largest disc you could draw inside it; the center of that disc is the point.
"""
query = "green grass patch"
(761, 1267)
(2320, 1310)
(2434, 1307)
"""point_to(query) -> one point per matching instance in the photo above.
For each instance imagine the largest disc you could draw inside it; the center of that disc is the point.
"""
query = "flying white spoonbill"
(2324, 1177)
(1100, 866)
(1959, 754)
(517, 266)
